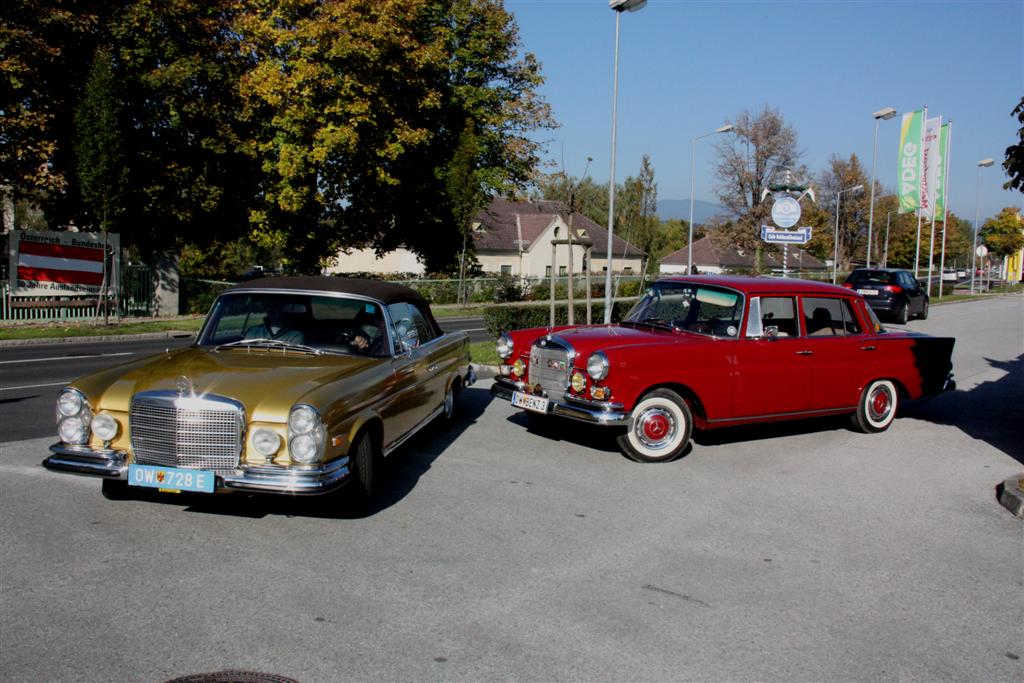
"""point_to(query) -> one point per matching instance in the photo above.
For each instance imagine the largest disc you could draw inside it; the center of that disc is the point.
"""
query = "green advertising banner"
(941, 168)
(910, 161)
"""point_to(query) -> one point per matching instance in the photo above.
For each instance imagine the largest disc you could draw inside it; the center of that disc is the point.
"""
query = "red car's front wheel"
(659, 429)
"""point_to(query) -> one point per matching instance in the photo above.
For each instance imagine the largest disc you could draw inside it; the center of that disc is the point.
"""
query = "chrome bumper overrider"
(608, 414)
(261, 478)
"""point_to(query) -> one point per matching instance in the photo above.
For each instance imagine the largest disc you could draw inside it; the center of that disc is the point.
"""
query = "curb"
(1011, 495)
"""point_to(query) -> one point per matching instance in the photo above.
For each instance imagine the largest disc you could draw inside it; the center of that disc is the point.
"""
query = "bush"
(501, 319)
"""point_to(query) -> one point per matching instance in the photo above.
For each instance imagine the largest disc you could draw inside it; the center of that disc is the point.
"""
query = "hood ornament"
(185, 387)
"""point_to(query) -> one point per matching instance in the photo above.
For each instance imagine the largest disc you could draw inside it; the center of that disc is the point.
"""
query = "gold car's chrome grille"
(196, 432)
(549, 367)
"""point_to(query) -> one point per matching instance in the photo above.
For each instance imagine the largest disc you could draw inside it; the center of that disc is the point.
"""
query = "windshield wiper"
(271, 343)
(659, 323)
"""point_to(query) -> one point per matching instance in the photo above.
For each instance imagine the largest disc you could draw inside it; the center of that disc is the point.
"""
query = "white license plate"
(867, 292)
(537, 404)
(171, 478)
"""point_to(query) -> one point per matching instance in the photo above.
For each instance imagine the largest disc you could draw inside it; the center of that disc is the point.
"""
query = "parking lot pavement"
(810, 553)
(796, 552)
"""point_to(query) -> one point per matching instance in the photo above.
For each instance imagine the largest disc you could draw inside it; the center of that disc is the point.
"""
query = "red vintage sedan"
(714, 351)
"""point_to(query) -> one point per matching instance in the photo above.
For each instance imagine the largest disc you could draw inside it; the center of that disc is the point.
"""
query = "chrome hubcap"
(880, 403)
(655, 428)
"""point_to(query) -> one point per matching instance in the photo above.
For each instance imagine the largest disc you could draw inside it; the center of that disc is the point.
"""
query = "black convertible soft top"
(385, 292)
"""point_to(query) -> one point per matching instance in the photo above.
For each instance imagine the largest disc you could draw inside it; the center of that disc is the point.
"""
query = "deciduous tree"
(761, 145)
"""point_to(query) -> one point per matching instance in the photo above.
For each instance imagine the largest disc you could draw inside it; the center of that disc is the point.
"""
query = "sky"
(687, 67)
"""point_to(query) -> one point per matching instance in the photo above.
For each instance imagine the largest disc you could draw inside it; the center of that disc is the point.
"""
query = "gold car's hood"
(267, 381)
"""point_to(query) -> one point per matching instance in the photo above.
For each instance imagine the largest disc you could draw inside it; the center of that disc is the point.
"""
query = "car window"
(702, 309)
(410, 324)
(829, 317)
(880, 277)
(772, 311)
(320, 323)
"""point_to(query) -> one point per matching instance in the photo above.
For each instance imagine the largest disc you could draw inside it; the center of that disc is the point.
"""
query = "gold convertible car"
(294, 385)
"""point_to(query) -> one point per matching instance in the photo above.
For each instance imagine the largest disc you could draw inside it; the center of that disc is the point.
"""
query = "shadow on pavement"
(991, 412)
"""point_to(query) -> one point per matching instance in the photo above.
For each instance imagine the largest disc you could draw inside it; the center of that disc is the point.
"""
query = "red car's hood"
(587, 339)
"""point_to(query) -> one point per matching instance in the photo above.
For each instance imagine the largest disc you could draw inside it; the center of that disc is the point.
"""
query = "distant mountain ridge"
(680, 208)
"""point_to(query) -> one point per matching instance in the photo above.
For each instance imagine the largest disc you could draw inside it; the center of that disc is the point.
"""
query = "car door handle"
(432, 368)
(805, 353)
(867, 348)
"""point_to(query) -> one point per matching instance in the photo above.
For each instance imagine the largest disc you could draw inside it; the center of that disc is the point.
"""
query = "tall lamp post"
(880, 115)
(619, 6)
(693, 156)
(835, 237)
(984, 163)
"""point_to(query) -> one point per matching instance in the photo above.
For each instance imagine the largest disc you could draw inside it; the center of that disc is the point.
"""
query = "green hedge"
(501, 319)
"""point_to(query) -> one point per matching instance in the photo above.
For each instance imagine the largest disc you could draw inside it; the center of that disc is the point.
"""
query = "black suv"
(890, 292)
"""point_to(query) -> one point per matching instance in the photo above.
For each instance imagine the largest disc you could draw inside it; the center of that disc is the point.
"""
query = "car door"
(411, 376)
(915, 292)
(841, 351)
(772, 371)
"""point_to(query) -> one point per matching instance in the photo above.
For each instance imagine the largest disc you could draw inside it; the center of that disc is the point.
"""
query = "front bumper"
(607, 414)
(296, 481)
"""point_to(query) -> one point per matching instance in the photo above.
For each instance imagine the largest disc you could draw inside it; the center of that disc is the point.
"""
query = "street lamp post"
(619, 6)
(885, 251)
(835, 237)
(984, 163)
(880, 115)
(693, 155)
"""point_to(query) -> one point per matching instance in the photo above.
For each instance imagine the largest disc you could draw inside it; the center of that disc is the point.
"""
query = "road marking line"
(45, 360)
(35, 386)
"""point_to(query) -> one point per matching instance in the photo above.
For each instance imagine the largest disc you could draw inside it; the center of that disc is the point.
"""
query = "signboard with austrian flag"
(61, 263)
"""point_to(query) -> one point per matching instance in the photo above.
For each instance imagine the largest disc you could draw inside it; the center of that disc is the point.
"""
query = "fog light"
(72, 430)
(505, 370)
(266, 442)
(600, 393)
(579, 382)
(519, 367)
(105, 427)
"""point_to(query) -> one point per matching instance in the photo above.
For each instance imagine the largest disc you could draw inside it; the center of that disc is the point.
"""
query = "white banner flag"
(932, 159)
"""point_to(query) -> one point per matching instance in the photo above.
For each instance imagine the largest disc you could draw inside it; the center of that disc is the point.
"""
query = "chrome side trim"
(109, 464)
(591, 412)
(796, 413)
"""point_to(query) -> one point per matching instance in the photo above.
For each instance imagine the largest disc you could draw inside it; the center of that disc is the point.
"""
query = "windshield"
(701, 309)
(300, 322)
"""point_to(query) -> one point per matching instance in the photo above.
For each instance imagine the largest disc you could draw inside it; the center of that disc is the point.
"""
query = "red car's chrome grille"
(195, 432)
(549, 367)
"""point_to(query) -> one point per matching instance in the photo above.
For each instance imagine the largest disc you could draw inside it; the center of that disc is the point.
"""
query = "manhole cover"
(234, 677)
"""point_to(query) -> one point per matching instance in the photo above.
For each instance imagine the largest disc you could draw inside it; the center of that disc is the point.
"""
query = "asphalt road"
(800, 552)
(31, 375)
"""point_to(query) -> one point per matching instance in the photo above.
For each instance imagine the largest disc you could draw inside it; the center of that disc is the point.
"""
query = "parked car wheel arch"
(686, 393)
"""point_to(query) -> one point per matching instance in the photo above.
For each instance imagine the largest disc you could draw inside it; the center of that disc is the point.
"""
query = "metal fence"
(136, 300)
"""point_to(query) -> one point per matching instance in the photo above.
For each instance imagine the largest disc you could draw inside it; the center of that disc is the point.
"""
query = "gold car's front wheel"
(364, 460)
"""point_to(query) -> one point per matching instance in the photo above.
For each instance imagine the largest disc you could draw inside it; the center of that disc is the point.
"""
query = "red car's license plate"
(537, 404)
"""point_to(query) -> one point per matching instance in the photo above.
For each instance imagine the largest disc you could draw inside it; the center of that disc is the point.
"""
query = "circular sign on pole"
(981, 251)
(785, 212)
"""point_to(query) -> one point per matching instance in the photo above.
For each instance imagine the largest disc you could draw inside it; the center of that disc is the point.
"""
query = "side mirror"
(771, 332)
(408, 338)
